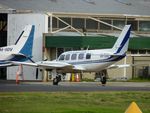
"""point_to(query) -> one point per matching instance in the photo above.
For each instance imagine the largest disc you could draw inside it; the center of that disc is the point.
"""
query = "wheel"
(55, 81)
(103, 80)
(103, 77)
(58, 78)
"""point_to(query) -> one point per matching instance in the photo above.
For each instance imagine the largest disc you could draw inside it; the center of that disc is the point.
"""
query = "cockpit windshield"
(62, 57)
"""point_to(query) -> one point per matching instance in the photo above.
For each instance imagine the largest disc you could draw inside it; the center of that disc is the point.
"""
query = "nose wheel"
(56, 80)
(103, 77)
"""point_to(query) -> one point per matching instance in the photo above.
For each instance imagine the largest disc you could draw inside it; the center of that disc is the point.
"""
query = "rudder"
(121, 45)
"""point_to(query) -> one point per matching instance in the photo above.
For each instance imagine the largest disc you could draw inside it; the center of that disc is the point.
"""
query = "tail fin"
(121, 45)
(24, 44)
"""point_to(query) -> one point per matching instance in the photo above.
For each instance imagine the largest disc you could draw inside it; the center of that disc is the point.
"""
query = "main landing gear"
(56, 77)
(103, 80)
(103, 77)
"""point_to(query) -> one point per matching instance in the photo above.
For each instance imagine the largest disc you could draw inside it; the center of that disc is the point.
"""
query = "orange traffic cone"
(19, 74)
(77, 78)
(133, 108)
(17, 78)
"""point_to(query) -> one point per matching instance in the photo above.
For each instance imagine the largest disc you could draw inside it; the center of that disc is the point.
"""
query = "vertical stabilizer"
(24, 44)
(121, 45)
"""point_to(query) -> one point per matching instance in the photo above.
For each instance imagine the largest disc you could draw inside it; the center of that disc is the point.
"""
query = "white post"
(125, 70)
(51, 23)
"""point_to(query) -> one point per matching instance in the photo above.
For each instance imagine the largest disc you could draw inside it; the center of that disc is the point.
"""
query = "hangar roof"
(129, 7)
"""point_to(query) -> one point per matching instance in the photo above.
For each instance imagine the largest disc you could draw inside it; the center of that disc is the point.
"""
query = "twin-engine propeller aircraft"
(21, 50)
(87, 60)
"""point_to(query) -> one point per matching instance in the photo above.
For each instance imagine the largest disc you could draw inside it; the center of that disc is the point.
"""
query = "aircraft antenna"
(87, 47)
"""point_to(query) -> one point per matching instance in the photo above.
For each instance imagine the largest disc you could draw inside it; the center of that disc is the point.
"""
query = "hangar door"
(3, 39)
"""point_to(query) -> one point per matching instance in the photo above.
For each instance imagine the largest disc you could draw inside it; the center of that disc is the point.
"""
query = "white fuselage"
(6, 53)
(88, 60)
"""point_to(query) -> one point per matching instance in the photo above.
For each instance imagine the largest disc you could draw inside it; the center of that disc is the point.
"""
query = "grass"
(72, 102)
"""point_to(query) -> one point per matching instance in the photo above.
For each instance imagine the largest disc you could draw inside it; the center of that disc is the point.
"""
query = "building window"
(60, 51)
(49, 22)
(74, 57)
(148, 51)
(54, 22)
(67, 20)
(78, 23)
(142, 51)
(81, 56)
(144, 25)
(119, 23)
(67, 49)
(88, 56)
(134, 51)
(105, 27)
(134, 25)
(91, 24)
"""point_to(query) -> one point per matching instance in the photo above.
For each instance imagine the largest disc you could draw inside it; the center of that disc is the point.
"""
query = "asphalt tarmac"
(72, 86)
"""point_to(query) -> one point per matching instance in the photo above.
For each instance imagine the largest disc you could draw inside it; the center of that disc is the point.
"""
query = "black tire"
(58, 78)
(55, 81)
(103, 80)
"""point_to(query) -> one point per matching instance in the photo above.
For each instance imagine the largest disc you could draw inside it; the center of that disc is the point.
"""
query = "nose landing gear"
(56, 80)
(103, 77)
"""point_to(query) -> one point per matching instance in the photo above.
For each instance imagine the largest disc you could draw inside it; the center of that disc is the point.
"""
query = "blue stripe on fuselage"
(110, 59)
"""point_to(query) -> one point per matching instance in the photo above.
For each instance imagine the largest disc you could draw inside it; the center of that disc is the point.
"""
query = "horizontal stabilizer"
(5, 65)
(119, 66)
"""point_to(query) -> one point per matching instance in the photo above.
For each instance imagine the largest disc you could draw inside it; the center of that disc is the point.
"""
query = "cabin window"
(61, 57)
(74, 56)
(67, 57)
(88, 56)
(81, 56)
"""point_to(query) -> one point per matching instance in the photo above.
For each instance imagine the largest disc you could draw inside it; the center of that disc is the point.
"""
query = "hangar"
(69, 25)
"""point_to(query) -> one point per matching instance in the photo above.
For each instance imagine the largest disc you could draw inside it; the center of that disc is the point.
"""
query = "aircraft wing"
(79, 68)
(5, 65)
(50, 65)
(54, 65)
(44, 64)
